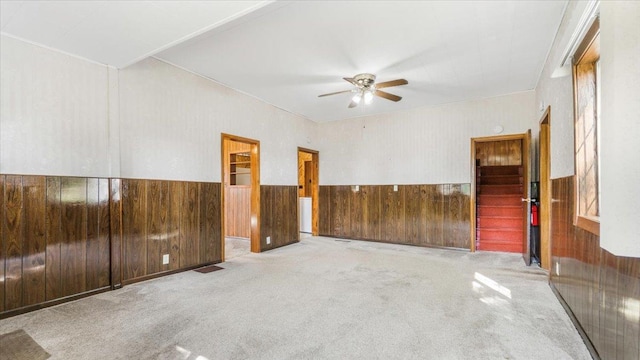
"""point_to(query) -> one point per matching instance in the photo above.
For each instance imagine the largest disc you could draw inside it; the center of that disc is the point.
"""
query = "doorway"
(308, 190)
(240, 196)
(500, 193)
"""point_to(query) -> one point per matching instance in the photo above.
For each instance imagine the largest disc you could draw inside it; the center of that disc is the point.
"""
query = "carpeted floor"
(234, 247)
(321, 299)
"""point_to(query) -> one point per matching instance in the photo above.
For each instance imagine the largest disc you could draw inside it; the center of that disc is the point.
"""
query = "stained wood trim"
(526, 178)
(315, 191)
(255, 189)
(526, 169)
(584, 53)
(499, 138)
(589, 224)
(255, 197)
(587, 52)
(115, 232)
(223, 185)
(545, 189)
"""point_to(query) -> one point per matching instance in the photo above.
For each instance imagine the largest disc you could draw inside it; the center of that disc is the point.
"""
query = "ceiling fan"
(366, 87)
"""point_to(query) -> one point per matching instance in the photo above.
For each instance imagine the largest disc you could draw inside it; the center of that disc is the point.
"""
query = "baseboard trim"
(576, 323)
(58, 301)
(265, 249)
(399, 243)
(165, 273)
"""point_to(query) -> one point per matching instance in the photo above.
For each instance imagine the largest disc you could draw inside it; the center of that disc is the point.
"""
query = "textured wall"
(61, 115)
(171, 120)
(53, 112)
(620, 49)
(428, 145)
(620, 159)
(555, 89)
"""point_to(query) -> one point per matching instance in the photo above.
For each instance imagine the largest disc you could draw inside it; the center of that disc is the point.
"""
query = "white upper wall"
(53, 112)
(428, 145)
(620, 111)
(620, 130)
(61, 115)
(555, 89)
(171, 121)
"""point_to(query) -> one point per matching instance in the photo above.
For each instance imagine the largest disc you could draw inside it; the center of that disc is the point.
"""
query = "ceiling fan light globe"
(368, 97)
(356, 98)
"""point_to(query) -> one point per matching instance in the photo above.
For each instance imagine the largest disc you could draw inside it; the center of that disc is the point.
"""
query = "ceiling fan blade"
(353, 104)
(391, 83)
(334, 93)
(387, 96)
(352, 80)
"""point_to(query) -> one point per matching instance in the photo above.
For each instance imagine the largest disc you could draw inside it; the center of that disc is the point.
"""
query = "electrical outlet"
(357, 188)
(395, 188)
(165, 259)
(268, 240)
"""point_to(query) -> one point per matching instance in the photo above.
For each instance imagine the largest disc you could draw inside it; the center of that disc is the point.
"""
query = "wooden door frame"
(315, 189)
(255, 189)
(545, 190)
(525, 176)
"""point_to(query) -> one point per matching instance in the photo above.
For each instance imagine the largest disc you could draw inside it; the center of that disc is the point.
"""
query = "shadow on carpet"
(18, 345)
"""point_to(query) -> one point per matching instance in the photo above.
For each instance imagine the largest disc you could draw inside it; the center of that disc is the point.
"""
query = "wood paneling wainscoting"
(66, 237)
(423, 215)
(176, 218)
(278, 216)
(601, 290)
(55, 239)
(238, 207)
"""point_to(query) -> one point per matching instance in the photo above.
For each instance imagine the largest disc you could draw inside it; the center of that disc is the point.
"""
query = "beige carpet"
(321, 299)
(234, 247)
(18, 345)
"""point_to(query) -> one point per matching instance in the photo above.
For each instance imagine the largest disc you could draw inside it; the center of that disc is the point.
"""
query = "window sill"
(589, 223)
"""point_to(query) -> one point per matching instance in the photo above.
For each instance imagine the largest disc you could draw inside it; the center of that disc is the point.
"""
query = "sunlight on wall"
(630, 309)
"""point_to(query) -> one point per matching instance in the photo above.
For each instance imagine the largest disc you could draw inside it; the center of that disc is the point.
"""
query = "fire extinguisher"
(534, 214)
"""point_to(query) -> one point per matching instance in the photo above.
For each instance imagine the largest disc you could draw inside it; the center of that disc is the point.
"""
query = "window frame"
(587, 52)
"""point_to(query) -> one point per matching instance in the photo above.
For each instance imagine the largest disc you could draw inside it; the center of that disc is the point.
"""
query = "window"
(586, 81)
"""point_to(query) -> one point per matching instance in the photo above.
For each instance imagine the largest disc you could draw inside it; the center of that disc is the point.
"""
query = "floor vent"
(208, 269)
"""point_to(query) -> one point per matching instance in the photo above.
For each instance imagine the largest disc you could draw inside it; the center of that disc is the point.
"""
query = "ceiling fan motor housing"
(365, 80)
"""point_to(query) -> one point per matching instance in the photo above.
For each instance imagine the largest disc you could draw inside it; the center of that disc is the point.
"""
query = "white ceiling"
(117, 33)
(287, 53)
